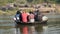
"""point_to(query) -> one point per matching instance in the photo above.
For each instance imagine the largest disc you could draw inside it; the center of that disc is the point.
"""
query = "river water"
(10, 27)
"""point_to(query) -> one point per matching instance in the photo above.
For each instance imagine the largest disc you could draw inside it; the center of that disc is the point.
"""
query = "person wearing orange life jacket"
(31, 17)
(24, 17)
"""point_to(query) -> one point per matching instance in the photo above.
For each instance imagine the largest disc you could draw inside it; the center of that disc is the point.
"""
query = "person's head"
(30, 12)
(18, 12)
(24, 11)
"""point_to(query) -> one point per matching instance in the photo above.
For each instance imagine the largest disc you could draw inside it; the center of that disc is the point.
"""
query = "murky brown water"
(30, 29)
(9, 27)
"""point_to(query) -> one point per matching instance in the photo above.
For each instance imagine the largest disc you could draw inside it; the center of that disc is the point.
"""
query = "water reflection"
(32, 29)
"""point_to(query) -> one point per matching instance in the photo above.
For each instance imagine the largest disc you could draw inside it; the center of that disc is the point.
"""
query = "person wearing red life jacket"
(24, 17)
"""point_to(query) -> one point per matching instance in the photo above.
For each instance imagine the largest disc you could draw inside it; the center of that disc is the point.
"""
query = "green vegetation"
(29, 1)
(58, 1)
(7, 12)
(4, 2)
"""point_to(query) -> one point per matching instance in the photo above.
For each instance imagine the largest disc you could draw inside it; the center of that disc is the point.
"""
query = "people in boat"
(24, 17)
(31, 17)
(36, 13)
(17, 15)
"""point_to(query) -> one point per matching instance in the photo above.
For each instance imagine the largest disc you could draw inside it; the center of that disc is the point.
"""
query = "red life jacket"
(24, 17)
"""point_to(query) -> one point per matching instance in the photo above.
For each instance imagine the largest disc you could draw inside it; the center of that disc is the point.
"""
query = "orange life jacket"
(24, 17)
